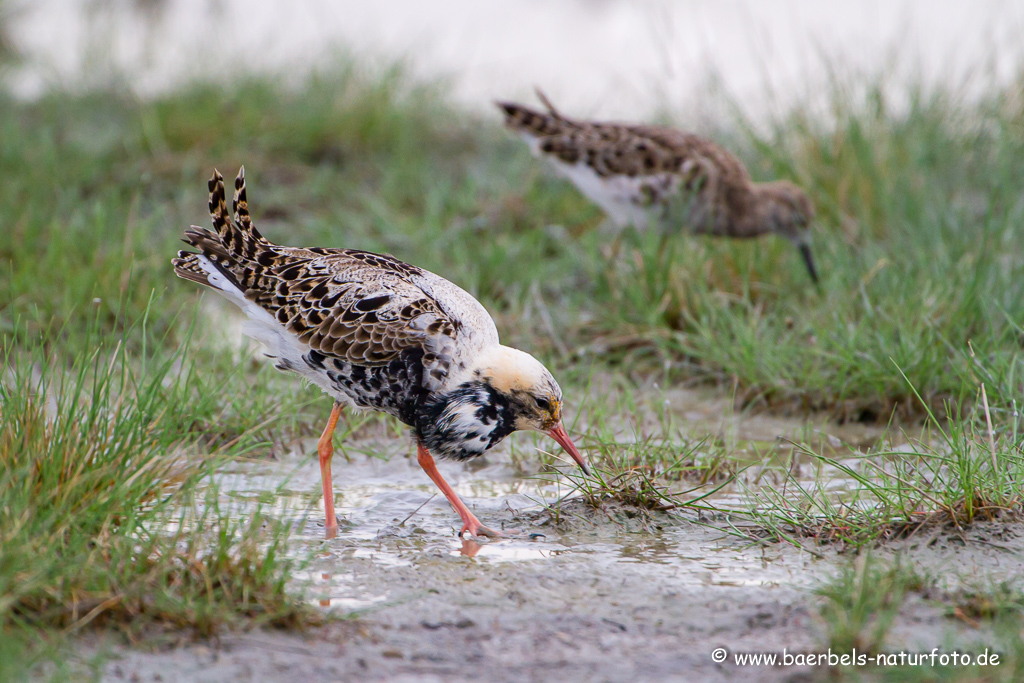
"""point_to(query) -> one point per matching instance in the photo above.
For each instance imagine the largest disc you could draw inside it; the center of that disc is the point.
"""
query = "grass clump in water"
(652, 476)
(646, 465)
(970, 472)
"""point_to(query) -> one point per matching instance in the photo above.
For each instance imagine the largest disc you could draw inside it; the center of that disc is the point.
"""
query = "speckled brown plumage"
(349, 305)
(639, 173)
(374, 332)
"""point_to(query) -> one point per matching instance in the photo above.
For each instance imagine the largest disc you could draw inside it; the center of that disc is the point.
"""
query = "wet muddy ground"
(580, 594)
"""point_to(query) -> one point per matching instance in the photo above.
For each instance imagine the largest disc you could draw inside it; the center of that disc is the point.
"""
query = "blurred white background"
(608, 58)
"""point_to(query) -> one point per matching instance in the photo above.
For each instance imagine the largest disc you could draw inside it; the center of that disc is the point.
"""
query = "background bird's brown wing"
(609, 148)
(622, 148)
(685, 146)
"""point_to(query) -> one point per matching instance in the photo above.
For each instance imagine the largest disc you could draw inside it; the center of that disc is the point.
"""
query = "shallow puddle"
(392, 517)
(397, 546)
(589, 598)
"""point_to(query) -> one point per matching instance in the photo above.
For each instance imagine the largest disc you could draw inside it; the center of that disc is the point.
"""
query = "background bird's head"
(787, 211)
(785, 208)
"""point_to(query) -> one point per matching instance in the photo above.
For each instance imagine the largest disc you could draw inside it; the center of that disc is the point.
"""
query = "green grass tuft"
(918, 211)
(861, 603)
(101, 516)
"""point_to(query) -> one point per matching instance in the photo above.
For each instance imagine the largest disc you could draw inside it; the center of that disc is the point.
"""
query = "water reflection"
(470, 548)
(507, 550)
(326, 578)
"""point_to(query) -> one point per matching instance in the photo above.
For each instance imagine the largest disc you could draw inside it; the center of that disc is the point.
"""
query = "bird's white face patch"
(510, 370)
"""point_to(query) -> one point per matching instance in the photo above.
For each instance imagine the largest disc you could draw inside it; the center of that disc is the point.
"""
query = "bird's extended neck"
(464, 423)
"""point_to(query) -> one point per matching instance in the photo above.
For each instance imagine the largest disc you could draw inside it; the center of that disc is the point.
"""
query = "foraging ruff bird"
(374, 332)
(637, 173)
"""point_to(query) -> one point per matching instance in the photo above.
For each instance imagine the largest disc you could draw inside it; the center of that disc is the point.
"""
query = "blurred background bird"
(644, 174)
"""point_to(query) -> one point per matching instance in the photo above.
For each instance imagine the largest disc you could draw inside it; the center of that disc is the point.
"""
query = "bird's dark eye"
(543, 404)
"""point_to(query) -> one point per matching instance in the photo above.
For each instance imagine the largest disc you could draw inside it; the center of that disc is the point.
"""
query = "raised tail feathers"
(547, 104)
(537, 123)
(233, 247)
(240, 207)
(218, 205)
(239, 236)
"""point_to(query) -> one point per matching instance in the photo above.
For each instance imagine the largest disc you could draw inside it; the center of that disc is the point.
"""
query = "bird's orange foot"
(475, 528)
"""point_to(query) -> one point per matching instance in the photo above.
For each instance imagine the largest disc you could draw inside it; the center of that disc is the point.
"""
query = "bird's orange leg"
(469, 521)
(325, 449)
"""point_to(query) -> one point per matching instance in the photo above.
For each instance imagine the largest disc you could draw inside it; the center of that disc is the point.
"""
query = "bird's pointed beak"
(805, 252)
(559, 434)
